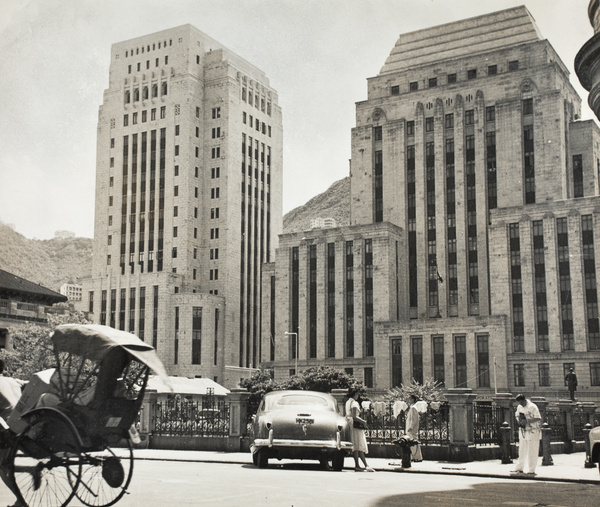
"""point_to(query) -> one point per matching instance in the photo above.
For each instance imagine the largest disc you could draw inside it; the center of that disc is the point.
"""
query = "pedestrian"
(530, 423)
(10, 392)
(571, 380)
(412, 427)
(358, 426)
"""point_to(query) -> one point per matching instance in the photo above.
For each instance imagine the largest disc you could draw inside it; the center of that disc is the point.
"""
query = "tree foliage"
(319, 378)
(429, 391)
(32, 349)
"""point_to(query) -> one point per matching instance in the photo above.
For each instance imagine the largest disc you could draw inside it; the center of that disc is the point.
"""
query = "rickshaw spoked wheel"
(105, 476)
(45, 461)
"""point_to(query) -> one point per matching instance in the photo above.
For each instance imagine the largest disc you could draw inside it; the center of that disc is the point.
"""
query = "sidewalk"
(566, 468)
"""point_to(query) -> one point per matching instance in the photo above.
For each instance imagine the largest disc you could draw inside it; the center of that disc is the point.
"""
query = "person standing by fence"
(530, 423)
(358, 425)
(412, 427)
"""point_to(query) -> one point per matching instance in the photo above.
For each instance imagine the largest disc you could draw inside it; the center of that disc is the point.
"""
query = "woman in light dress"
(359, 440)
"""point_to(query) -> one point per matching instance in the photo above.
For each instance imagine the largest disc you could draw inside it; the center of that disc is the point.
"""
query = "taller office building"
(188, 201)
(470, 258)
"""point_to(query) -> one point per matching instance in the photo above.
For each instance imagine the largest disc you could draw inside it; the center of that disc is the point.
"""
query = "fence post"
(147, 411)
(546, 454)
(238, 407)
(567, 407)
(505, 433)
(460, 403)
(339, 395)
(588, 451)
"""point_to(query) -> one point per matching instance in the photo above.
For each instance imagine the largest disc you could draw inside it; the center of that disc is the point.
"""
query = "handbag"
(359, 424)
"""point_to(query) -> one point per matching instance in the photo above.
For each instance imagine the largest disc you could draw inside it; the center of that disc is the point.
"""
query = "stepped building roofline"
(489, 32)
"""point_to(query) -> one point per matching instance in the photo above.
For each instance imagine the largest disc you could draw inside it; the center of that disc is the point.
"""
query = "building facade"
(188, 201)
(469, 146)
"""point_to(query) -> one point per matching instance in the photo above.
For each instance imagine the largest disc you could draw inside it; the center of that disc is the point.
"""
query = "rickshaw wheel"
(44, 463)
(105, 476)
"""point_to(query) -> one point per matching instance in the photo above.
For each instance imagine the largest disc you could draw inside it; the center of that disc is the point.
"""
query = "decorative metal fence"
(179, 416)
(557, 422)
(579, 421)
(487, 420)
(385, 428)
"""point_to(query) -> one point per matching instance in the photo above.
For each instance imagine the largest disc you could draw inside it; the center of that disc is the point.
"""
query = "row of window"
(146, 92)
(138, 66)
(142, 49)
(143, 116)
(259, 102)
(247, 119)
(544, 377)
(433, 82)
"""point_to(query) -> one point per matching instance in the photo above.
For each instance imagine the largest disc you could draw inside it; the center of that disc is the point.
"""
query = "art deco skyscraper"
(188, 200)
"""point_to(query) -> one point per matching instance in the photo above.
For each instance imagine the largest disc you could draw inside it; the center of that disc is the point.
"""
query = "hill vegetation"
(47, 262)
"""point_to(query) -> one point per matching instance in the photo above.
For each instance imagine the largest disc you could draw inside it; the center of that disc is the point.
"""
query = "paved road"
(159, 483)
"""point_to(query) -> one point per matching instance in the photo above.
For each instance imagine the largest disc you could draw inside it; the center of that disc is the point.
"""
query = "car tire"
(338, 462)
(262, 460)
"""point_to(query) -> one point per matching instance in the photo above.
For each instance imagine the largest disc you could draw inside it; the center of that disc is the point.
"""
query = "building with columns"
(188, 201)
(470, 257)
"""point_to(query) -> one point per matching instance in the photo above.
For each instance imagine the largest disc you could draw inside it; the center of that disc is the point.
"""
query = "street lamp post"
(297, 348)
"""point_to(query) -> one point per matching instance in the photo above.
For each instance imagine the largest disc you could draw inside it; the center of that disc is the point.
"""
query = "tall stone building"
(470, 257)
(188, 201)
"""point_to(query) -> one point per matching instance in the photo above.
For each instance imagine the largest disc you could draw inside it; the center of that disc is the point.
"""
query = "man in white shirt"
(530, 423)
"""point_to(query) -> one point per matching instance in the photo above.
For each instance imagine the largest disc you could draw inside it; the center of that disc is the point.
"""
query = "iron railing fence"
(179, 416)
(487, 420)
(384, 428)
(557, 421)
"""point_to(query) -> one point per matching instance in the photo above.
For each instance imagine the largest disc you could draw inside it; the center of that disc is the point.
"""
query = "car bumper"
(317, 444)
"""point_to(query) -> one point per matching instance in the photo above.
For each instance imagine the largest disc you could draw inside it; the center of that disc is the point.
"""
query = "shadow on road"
(531, 493)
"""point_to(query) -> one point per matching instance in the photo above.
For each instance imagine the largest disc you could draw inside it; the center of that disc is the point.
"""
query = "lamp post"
(297, 348)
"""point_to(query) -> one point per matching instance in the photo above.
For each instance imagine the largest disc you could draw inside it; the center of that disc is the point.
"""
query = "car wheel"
(262, 460)
(338, 462)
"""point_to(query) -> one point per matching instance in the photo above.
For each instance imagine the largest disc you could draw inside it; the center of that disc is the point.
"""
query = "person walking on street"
(530, 423)
(412, 427)
(358, 426)
(571, 380)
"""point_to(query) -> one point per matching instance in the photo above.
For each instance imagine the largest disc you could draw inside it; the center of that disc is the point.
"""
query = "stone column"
(340, 395)
(567, 407)
(147, 414)
(460, 403)
(504, 401)
(238, 408)
(588, 408)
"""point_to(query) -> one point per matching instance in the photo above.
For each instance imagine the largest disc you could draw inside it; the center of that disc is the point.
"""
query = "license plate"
(303, 420)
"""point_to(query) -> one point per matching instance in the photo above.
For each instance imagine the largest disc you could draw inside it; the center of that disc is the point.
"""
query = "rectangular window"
(417, 358)
(410, 128)
(527, 106)
(490, 113)
(216, 112)
(460, 361)
(368, 377)
(429, 124)
(395, 90)
(471, 73)
(595, 374)
(414, 86)
(492, 70)
(449, 121)
(513, 65)
(577, 176)
(483, 361)
(197, 335)
(432, 82)
(544, 374)
(469, 117)
(163, 112)
(519, 374)
(451, 78)
(438, 359)
(396, 361)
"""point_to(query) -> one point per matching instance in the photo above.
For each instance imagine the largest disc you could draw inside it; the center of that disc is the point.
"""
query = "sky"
(318, 54)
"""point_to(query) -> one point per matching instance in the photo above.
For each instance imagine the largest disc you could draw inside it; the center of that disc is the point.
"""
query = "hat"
(520, 397)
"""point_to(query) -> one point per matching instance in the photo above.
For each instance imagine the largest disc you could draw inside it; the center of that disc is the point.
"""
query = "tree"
(32, 349)
(430, 391)
(258, 385)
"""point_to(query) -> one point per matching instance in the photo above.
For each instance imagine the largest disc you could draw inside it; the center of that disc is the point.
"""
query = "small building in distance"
(72, 290)
(22, 302)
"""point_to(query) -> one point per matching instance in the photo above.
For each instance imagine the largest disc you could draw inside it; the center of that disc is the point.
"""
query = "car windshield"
(299, 400)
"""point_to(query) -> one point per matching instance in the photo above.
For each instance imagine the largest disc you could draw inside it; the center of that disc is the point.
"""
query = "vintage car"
(595, 446)
(299, 425)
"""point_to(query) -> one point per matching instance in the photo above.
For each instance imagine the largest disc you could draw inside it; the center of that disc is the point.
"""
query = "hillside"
(68, 260)
(333, 203)
(47, 262)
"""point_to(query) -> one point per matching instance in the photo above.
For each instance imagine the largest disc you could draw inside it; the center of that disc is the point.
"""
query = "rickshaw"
(76, 440)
